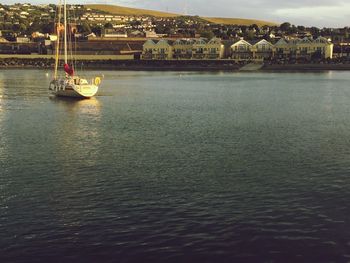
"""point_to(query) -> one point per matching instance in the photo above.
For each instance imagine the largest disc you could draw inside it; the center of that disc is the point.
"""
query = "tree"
(35, 26)
(108, 25)
(301, 28)
(97, 30)
(285, 26)
(135, 23)
(315, 31)
(254, 26)
(16, 28)
(48, 28)
(249, 35)
(207, 34)
(244, 28)
(292, 30)
(84, 28)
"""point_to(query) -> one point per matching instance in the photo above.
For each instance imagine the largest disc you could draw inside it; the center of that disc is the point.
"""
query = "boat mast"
(58, 29)
(65, 31)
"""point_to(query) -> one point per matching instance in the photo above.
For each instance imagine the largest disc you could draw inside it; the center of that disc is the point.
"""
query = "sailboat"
(70, 84)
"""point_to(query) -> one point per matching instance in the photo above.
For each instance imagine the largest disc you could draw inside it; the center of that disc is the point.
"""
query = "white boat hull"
(65, 89)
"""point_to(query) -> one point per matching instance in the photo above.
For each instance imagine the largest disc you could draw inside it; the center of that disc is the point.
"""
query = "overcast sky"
(321, 13)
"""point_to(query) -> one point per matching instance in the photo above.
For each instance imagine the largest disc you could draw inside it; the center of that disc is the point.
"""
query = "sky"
(320, 13)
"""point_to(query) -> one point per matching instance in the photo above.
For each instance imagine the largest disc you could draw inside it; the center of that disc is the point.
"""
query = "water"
(176, 167)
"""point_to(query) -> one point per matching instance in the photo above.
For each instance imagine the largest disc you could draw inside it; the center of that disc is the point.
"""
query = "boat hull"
(73, 91)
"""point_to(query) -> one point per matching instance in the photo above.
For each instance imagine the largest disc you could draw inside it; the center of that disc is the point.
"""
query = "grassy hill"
(238, 21)
(119, 10)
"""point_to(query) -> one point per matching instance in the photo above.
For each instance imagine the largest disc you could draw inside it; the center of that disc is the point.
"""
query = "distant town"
(29, 29)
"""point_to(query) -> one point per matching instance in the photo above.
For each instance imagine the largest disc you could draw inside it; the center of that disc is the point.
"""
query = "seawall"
(103, 63)
(170, 65)
(305, 67)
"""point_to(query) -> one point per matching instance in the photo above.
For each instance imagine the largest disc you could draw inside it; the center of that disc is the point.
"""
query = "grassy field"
(119, 10)
(238, 21)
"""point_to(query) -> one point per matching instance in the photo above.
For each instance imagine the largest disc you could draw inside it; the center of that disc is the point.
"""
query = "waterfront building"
(263, 49)
(157, 50)
(23, 40)
(282, 48)
(19, 48)
(212, 49)
(241, 50)
(215, 49)
(341, 50)
(147, 49)
(323, 46)
(199, 49)
(255, 50)
(151, 34)
(3, 40)
(305, 48)
(114, 33)
(183, 48)
(163, 50)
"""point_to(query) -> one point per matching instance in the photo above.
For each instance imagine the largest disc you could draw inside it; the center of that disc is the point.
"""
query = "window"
(241, 47)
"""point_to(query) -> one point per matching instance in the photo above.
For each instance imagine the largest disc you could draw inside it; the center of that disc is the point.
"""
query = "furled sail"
(69, 69)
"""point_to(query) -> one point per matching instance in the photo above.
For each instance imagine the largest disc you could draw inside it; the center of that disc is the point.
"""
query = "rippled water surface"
(176, 167)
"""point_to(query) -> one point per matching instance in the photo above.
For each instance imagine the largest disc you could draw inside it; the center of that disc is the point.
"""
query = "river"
(176, 167)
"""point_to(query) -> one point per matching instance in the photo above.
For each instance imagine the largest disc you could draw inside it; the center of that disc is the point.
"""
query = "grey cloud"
(271, 10)
(258, 9)
(223, 4)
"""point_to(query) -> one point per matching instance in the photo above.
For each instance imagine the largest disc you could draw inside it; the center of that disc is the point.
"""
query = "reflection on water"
(3, 144)
(82, 106)
(2, 93)
(79, 131)
(176, 167)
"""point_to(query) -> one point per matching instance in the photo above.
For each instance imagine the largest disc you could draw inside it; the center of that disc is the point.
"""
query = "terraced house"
(255, 50)
(212, 49)
(183, 49)
(242, 50)
(199, 49)
(306, 48)
(157, 50)
(263, 49)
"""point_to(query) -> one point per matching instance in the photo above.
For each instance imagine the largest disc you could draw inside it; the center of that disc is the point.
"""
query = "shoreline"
(167, 65)
(305, 67)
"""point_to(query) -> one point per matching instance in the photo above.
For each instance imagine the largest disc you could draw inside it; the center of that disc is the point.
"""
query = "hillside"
(238, 21)
(119, 10)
